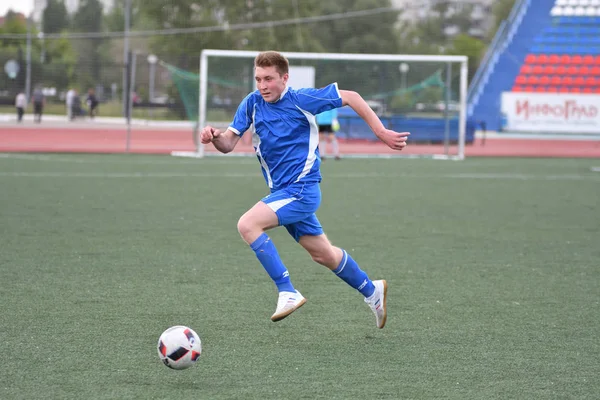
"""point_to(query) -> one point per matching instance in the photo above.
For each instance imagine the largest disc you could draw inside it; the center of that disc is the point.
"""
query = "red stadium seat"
(595, 71)
(518, 88)
(544, 80)
(575, 90)
(572, 70)
(526, 69)
(528, 89)
(579, 81)
(538, 69)
(567, 81)
(521, 80)
(565, 59)
(540, 89)
(552, 89)
(561, 70)
(597, 60)
(591, 81)
(588, 60)
(554, 59)
(531, 59)
(597, 90)
(532, 80)
(556, 80)
(588, 90)
(542, 59)
(563, 89)
(585, 71)
(549, 70)
(576, 60)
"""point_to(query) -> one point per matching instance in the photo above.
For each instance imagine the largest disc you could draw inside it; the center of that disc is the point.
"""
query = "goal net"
(424, 95)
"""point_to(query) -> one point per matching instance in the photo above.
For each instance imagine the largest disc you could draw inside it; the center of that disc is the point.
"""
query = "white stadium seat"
(556, 11)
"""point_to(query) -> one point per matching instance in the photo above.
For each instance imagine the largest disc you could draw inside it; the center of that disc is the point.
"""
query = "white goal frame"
(462, 60)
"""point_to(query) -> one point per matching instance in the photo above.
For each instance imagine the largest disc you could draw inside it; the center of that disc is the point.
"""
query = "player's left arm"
(395, 140)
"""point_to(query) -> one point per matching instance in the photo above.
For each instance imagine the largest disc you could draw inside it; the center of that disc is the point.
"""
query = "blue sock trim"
(350, 272)
(259, 241)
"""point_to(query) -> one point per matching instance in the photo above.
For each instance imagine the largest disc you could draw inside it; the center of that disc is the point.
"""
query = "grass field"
(493, 267)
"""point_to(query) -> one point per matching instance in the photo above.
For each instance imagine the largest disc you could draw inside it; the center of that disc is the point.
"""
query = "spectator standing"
(20, 104)
(92, 103)
(69, 103)
(38, 99)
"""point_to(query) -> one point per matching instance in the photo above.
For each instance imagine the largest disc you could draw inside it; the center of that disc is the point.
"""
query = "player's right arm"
(223, 141)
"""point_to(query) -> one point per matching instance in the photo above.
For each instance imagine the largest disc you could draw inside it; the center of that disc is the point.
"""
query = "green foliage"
(55, 18)
(90, 51)
(471, 47)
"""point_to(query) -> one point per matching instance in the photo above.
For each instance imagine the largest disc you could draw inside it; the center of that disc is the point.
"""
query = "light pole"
(152, 60)
(404, 68)
(40, 36)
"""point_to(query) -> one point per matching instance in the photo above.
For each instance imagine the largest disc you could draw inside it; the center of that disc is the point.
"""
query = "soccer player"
(286, 138)
(326, 122)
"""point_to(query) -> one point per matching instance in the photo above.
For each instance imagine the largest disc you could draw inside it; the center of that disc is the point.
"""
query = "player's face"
(270, 83)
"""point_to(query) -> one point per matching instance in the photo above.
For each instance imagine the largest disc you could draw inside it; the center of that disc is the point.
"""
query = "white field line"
(218, 174)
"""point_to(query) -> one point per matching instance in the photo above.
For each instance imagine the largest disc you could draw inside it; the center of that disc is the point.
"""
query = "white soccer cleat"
(287, 303)
(377, 302)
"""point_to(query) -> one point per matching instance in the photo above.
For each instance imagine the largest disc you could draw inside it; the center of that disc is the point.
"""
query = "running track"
(89, 137)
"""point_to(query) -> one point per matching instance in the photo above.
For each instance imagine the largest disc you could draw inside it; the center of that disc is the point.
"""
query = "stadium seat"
(537, 70)
(595, 71)
(565, 59)
(561, 70)
(520, 80)
(572, 70)
(532, 80)
(518, 88)
(585, 71)
(526, 69)
(567, 80)
(549, 70)
(576, 60)
(545, 80)
(530, 59)
(556, 80)
(554, 59)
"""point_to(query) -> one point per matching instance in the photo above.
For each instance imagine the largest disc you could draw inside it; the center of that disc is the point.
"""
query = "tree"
(55, 18)
(88, 18)
(501, 10)
(471, 47)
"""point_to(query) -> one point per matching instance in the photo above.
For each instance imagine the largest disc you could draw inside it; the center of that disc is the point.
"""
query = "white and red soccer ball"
(179, 347)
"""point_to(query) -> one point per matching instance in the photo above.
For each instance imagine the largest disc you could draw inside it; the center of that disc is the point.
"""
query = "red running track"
(113, 139)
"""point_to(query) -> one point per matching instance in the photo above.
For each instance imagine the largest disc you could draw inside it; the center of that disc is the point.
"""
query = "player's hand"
(394, 140)
(208, 134)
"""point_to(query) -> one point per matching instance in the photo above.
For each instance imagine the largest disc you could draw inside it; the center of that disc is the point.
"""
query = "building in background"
(481, 17)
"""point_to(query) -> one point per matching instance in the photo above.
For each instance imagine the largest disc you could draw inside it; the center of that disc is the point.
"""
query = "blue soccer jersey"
(285, 134)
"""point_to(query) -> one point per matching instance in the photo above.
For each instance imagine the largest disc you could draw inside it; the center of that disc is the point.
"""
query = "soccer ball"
(179, 347)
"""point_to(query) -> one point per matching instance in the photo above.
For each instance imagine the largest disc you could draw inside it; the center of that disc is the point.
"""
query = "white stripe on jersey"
(256, 144)
(313, 143)
(276, 205)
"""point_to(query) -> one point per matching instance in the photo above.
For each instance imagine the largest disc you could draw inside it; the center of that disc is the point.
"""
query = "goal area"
(421, 94)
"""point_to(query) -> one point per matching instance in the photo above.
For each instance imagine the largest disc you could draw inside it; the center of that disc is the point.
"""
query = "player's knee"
(245, 228)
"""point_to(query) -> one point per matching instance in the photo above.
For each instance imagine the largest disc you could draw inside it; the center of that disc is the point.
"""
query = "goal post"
(423, 94)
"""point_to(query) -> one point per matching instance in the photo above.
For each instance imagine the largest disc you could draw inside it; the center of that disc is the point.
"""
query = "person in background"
(20, 104)
(328, 123)
(92, 103)
(69, 103)
(39, 101)
(75, 105)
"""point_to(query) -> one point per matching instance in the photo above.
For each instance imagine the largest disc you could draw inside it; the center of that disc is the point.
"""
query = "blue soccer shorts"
(295, 207)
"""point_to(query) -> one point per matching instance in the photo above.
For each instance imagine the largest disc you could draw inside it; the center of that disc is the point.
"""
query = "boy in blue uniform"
(285, 137)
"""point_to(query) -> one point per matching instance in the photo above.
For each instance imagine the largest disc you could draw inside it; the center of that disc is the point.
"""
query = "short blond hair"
(272, 59)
